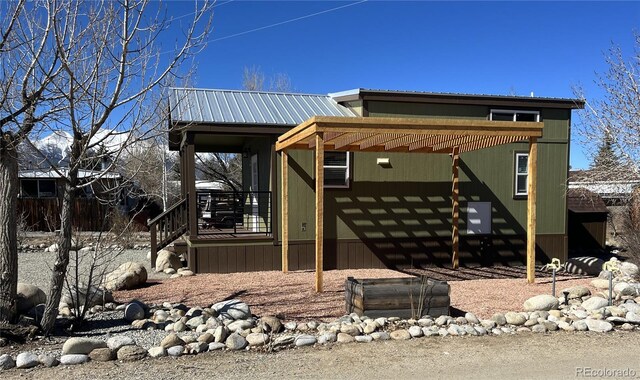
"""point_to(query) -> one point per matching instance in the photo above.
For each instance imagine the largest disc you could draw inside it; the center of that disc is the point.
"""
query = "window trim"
(347, 173)
(514, 112)
(516, 194)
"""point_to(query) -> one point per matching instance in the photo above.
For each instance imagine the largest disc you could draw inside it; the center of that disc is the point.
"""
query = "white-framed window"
(336, 169)
(514, 115)
(521, 174)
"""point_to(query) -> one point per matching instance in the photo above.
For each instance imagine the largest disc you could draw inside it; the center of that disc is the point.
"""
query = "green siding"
(451, 111)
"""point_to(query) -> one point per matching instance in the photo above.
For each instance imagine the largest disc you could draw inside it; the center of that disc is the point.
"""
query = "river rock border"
(230, 326)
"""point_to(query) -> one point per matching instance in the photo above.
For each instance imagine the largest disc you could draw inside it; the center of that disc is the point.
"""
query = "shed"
(587, 220)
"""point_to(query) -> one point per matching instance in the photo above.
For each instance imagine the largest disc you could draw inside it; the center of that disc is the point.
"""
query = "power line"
(285, 22)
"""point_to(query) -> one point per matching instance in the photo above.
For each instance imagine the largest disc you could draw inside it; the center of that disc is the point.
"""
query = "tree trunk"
(8, 228)
(59, 271)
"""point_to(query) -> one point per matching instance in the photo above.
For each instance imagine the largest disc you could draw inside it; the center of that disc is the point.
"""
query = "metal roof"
(51, 173)
(191, 105)
(457, 97)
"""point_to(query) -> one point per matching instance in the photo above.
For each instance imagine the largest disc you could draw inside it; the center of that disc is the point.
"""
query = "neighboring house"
(40, 198)
(615, 187)
(409, 179)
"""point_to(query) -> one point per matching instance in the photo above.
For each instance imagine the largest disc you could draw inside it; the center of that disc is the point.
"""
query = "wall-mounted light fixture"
(383, 162)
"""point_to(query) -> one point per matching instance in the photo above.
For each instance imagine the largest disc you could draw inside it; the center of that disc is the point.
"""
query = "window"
(38, 188)
(336, 169)
(521, 173)
(514, 115)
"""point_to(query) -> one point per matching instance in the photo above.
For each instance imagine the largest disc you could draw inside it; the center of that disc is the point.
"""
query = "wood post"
(455, 209)
(531, 209)
(153, 229)
(190, 182)
(319, 209)
(285, 211)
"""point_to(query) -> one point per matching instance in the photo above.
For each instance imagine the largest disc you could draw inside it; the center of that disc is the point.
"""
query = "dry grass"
(291, 296)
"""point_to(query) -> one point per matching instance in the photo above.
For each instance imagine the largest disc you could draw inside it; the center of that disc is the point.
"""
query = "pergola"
(408, 135)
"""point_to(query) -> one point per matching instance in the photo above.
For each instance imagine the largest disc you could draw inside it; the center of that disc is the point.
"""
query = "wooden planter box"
(397, 297)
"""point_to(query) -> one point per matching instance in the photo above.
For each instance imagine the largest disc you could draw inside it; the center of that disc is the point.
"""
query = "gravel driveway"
(521, 356)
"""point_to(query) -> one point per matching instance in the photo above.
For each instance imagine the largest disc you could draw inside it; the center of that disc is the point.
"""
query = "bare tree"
(113, 83)
(28, 67)
(223, 167)
(613, 123)
(253, 79)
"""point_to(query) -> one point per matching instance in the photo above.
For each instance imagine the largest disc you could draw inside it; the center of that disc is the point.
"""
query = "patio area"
(484, 291)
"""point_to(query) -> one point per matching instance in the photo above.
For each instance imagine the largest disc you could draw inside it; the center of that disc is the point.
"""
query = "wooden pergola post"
(531, 209)
(319, 209)
(455, 210)
(285, 211)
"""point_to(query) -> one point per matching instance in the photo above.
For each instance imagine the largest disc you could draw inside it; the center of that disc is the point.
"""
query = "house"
(615, 185)
(40, 199)
(374, 179)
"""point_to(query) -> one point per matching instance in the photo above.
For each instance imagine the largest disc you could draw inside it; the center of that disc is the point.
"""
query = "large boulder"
(129, 275)
(93, 295)
(232, 309)
(82, 345)
(628, 269)
(585, 265)
(29, 296)
(167, 259)
(542, 302)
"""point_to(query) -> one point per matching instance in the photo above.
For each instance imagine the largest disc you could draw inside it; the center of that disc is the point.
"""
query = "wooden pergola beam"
(285, 211)
(350, 138)
(531, 209)
(319, 209)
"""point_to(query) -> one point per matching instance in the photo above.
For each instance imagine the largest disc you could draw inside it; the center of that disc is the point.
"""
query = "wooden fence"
(43, 214)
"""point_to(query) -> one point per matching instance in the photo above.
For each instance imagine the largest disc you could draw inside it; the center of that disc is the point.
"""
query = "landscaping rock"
(167, 259)
(471, 318)
(157, 352)
(305, 340)
(595, 303)
(257, 339)
(27, 360)
(624, 289)
(214, 346)
(584, 265)
(91, 295)
(73, 359)
(345, 338)
(235, 341)
(499, 319)
(232, 309)
(241, 324)
(631, 306)
(129, 275)
(577, 292)
(102, 355)
(48, 360)
(541, 302)
(629, 270)
(81, 345)
(633, 317)
(415, 332)
(29, 296)
(171, 340)
(175, 351)
(350, 329)
(327, 338)
(131, 353)
(271, 324)
(600, 283)
(6, 362)
(115, 342)
(516, 319)
(400, 335)
(598, 325)
(367, 338)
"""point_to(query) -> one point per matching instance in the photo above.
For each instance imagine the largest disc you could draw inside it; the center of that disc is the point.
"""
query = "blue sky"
(467, 47)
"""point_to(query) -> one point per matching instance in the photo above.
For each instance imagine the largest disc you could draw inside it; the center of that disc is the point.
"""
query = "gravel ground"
(520, 356)
(35, 267)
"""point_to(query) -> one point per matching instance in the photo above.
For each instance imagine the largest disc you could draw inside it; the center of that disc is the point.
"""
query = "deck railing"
(168, 226)
(234, 212)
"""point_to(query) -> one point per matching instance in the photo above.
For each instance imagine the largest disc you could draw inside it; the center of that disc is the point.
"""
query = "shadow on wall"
(408, 224)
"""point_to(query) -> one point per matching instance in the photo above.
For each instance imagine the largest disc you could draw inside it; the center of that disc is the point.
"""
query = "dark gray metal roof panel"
(191, 105)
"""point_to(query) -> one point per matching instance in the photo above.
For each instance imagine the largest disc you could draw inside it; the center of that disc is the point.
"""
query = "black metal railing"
(234, 212)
